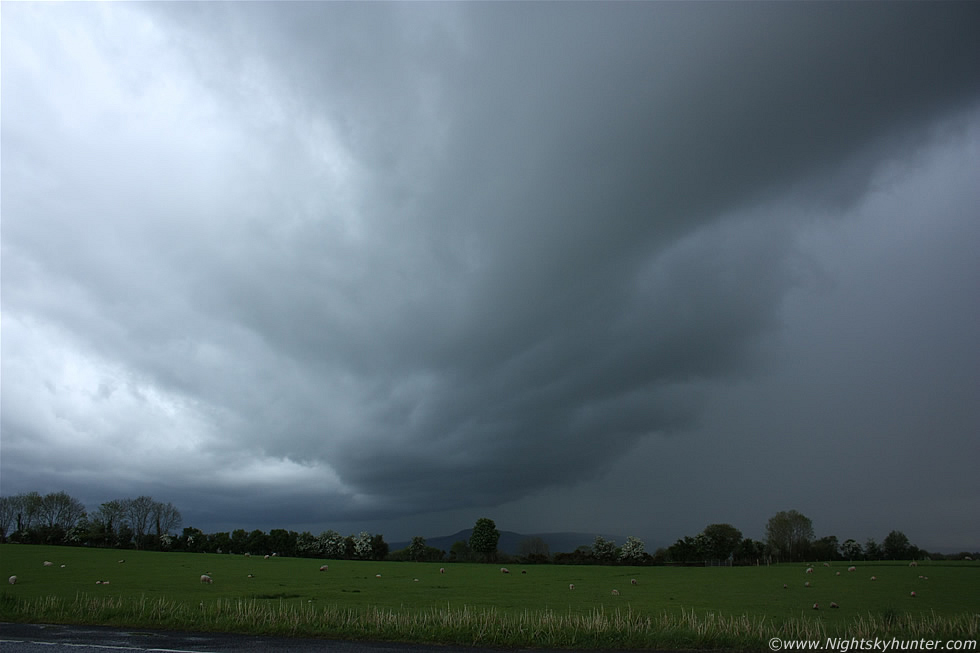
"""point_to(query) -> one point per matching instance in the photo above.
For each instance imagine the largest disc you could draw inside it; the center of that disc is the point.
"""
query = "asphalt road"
(35, 638)
(38, 638)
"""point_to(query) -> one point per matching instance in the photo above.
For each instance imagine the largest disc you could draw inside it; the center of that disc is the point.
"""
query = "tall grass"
(466, 625)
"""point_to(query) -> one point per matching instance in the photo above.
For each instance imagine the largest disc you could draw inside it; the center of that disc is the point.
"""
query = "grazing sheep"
(248, 555)
(806, 584)
(98, 582)
(834, 605)
(571, 586)
(913, 564)
(266, 557)
(121, 561)
(852, 568)
(816, 606)
(826, 564)
(809, 570)
(874, 578)
(504, 570)
(12, 580)
(442, 570)
(323, 567)
(615, 592)
(48, 563)
(838, 573)
(105, 582)
(785, 586)
(251, 576)
(206, 579)
(967, 558)
(415, 580)
(632, 581)
(377, 575)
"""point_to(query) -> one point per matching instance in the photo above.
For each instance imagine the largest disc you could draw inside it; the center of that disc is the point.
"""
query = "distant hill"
(510, 541)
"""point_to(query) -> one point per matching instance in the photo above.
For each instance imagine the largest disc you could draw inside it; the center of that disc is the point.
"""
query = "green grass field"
(414, 602)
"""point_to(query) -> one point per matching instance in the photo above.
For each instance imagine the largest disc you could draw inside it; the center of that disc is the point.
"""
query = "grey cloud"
(442, 251)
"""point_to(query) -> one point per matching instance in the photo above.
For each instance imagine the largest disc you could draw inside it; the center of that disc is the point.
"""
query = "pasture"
(473, 603)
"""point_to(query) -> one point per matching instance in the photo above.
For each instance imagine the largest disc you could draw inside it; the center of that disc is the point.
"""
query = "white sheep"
(323, 567)
(12, 580)
(826, 564)
(834, 605)
(504, 570)
(48, 563)
(248, 555)
(442, 570)
(852, 568)
(632, 581)
(206, 579)
(816, 606)
(571, 586)
(913, 564)
(806, 584)
(809, 570)
(266, 557)
(874, 578)
(912, 595)
(615, 592)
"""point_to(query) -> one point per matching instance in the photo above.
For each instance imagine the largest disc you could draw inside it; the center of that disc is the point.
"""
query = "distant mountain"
(510, 542)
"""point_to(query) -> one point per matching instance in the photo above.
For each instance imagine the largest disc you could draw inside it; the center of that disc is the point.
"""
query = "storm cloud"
(295, 265)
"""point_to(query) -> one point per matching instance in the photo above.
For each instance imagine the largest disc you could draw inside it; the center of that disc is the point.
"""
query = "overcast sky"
(623, 267)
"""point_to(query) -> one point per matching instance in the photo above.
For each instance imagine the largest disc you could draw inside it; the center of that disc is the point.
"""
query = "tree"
(110, 517)
(632, 551)
(788, 535)
(416, 550)
(165, 517)
(872, 550)
(723, 539)
(362, 545)
(138, 513)
(379, 548)
(484, 539)
(534, 549)
(826, 548)
(603, 550)
(896, 546)
(60, 510)
(851, 549)
(8, 512)
(460, 551)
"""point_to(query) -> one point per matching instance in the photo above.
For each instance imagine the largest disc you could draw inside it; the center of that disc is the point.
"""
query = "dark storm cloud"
(414, 257)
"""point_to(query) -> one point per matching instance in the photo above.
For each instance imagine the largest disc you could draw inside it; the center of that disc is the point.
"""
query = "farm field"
(691, 607)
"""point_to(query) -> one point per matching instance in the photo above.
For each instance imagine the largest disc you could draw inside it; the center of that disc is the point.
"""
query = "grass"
(734, 608)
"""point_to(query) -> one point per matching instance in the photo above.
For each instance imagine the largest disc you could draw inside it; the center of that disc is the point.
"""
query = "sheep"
(266, 557)
(442, 570)
(874, 578)
(913, 564)
(633, 581)
(122, 561)
(48, 563)
(12, 580)
(324, 567)
(806, 584)
(834, 605)
(912, 594)
(785, 586)
(809, 570)
(571, 586)
(251, 576)
(838, 573)
(248, 555)
(206, 579)
(852, 568)
(504, 570)
(415, 580)
(377, 575)
(816, 606)
(826, 564)
(615, 592)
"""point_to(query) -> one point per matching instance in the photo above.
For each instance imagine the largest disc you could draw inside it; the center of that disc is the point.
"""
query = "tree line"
(789, 538)
(143, 523)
